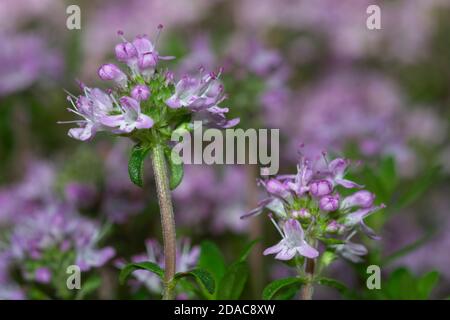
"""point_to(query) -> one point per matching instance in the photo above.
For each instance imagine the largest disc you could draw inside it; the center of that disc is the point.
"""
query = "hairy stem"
(306, 291)
(167, 219)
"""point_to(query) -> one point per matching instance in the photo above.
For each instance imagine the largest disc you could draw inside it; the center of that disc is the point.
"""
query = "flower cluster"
(144, 97)
(308, 207)
(44, 233)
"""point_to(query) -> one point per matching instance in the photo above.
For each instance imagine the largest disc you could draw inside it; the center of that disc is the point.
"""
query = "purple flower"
(362, 198)
(92, 107)
(351, 251)
(57, 226)
(293, 243)
(334, 227)
(197, 93)
(201, 95)
(25, 59)
(320, 188)
(329, 203)
(112, 72)
(43, 275)
(130, 119)
(140, 55)
(300, 185)
(276, 188)
(140, 92)
(357, 218)
(337, 169)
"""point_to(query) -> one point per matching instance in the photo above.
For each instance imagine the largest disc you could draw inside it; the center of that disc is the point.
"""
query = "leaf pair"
(203, 278)
(136, 165)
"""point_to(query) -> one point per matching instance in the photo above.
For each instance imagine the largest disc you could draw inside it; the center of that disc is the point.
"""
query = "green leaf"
(130, 268)
(233, 282)
(212, 260)
(136, 164)
(332, 283)
(276, 286)
(176, 170)
(89, 286)
(247, 250)
(418, 187)
(408, 248)
(426, 284)
(204, 278)
(401, 285)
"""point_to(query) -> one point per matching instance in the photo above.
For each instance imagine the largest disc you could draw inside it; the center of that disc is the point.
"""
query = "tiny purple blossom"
(293, 243)
(91, 106)
(112, 72)
(43, 275)
(334, 226)
(329, 203)
(126, 52)
(276, 187)
(358, 217)
(319, 188)
(300, 185)
(362, 198)
(351, 251)
(130, 119)
(302, 214)
(337, 169)
(140, 92)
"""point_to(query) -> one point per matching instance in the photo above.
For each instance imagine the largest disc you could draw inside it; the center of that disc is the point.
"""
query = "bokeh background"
(308, 67)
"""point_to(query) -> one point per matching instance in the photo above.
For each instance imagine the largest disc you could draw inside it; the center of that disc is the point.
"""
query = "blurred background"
(308, 67)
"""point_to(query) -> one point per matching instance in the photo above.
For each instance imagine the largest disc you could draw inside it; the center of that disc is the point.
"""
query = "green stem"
(307, 290)
(167, 219)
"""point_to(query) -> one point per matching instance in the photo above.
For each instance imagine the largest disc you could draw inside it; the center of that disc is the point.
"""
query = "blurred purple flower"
(25, 59)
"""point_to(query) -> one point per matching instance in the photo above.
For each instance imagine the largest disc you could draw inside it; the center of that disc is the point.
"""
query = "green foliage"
(335, 284)
(89, 286)
(403, 285)
(212, 260)
(233, 282)
(204, 278)
(291, 284)
(230, 280)
(175, 167)
(136, 164)
(130, 268)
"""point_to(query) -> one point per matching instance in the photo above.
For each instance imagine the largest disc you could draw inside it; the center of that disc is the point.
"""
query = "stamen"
(276, 225)
(158, 33)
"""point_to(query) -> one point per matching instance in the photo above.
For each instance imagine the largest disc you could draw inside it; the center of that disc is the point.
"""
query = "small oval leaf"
(130, 268)
(233, 282)
(203, 278)
(274, 287)
(175, 165)
(136, 164)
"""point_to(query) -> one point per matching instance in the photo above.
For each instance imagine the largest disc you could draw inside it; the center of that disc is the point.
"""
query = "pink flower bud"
(43, 275)
(363, 199)
(333, 227)
(273, 186)
(329, 203)
(320, 188)
(148, 61)
(112, 72)
(301, 214)
(125, 51)
(140, 92)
